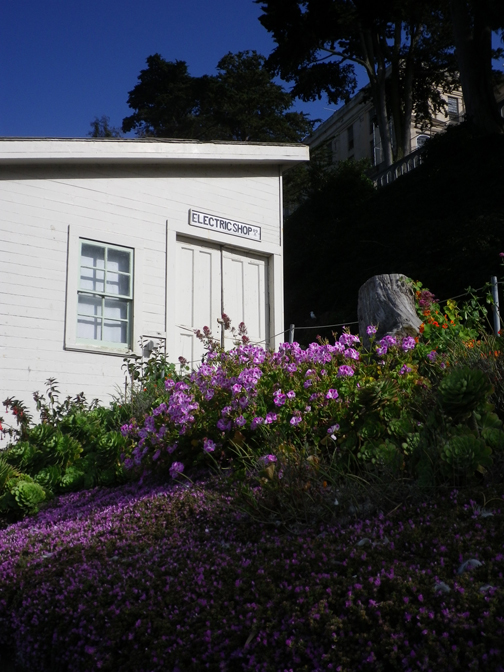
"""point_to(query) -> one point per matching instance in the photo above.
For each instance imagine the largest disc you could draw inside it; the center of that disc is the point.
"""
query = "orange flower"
(422, 327)
(445, 326)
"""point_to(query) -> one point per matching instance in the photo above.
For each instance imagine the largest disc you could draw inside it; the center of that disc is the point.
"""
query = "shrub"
(77, 445)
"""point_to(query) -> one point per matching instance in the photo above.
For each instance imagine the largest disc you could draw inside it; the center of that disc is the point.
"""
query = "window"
(350, 138)
(104, 294)
(372, 120)
(453, 106)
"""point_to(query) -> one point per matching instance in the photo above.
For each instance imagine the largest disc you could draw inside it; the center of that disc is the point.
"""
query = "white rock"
(469, 564)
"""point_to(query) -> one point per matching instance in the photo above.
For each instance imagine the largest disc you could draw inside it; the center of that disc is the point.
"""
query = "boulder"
(387, 302)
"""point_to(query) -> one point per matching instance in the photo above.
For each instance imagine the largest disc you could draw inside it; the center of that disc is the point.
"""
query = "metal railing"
(386, 175)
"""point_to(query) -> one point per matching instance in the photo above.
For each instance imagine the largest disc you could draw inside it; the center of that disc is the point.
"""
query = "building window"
(453, 106)
(350, 138)
(372, 120)
(104, 294)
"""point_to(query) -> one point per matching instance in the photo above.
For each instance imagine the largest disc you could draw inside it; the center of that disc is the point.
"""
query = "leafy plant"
(21, 495)
(77, 445)
(463, 391)
(144, 383)
(461, 430)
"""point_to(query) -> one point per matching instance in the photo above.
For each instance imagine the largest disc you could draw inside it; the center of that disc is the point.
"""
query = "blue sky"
(63, 63)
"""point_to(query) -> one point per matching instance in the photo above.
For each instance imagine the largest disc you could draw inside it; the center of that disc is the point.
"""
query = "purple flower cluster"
(118, 579)
(253, 391)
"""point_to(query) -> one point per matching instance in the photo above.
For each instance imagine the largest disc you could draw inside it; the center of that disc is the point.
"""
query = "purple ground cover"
(174, 577)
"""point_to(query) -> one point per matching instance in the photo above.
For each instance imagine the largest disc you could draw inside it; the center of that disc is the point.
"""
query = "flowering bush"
(292, 397)
(444, 327)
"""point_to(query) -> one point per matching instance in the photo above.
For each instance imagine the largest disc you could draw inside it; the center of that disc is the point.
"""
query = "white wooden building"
(110, 243)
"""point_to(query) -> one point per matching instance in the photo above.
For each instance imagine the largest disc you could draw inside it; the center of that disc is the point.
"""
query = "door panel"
(210, 281)
(198, 296)
(244, 293)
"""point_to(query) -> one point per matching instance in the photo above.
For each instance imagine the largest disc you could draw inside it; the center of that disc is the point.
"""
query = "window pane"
(89, 328)
(105, 274)
(116, 309)
(89, 305)
(118, 284)
(452, 105)
(92, 255)
(115, 332)
(92, 279)
(118, 260)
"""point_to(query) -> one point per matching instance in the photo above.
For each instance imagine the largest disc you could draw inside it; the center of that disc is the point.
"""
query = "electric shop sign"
(222, 225)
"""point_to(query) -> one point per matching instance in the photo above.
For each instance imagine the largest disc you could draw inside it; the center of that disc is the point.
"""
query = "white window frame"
(76, 236)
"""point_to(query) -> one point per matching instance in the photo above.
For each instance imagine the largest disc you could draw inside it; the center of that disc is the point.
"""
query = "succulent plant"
(463, 391)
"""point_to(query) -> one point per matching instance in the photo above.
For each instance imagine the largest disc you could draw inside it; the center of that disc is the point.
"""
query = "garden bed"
(175, 577)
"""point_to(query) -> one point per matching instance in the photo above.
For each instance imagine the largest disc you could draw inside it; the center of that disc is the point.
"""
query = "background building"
(352, 133)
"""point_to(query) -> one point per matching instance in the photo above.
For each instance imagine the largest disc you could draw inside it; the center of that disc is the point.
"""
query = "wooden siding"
(111, 204)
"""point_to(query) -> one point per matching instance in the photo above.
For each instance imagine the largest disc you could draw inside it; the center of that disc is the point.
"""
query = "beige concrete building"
(352, 133)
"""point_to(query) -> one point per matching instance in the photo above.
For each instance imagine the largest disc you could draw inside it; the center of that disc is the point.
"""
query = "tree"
(100, 128)
(166, 100)
(473, 23)
(241, 102)
(401, 44)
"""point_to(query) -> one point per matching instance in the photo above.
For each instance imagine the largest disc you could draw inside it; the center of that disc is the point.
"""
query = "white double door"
(212, 280)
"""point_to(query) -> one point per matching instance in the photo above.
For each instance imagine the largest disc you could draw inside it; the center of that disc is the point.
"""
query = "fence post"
(495, 307)
(292, 327)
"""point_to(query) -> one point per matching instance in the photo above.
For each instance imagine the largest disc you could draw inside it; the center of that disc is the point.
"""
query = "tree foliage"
(241, 102)
(473, 22)
(401, 44)
(100, 128)
(442, 223)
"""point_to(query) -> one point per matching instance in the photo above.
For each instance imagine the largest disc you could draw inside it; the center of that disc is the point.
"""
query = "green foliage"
(145, 387)
(7, 472)
(443, 223)
(462, 392)
(241, 102)
(100, 128)
(405, 49)
(314, 240)
(77, 445)
(21, 495)
(461, 432)
(466, 452)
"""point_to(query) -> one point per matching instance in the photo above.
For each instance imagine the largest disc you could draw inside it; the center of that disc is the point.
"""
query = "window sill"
(100, 350)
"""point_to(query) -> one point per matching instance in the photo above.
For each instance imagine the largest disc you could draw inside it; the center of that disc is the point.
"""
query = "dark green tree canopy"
(241, 102)
(473, 23)
(166, 100)
(401, 44)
